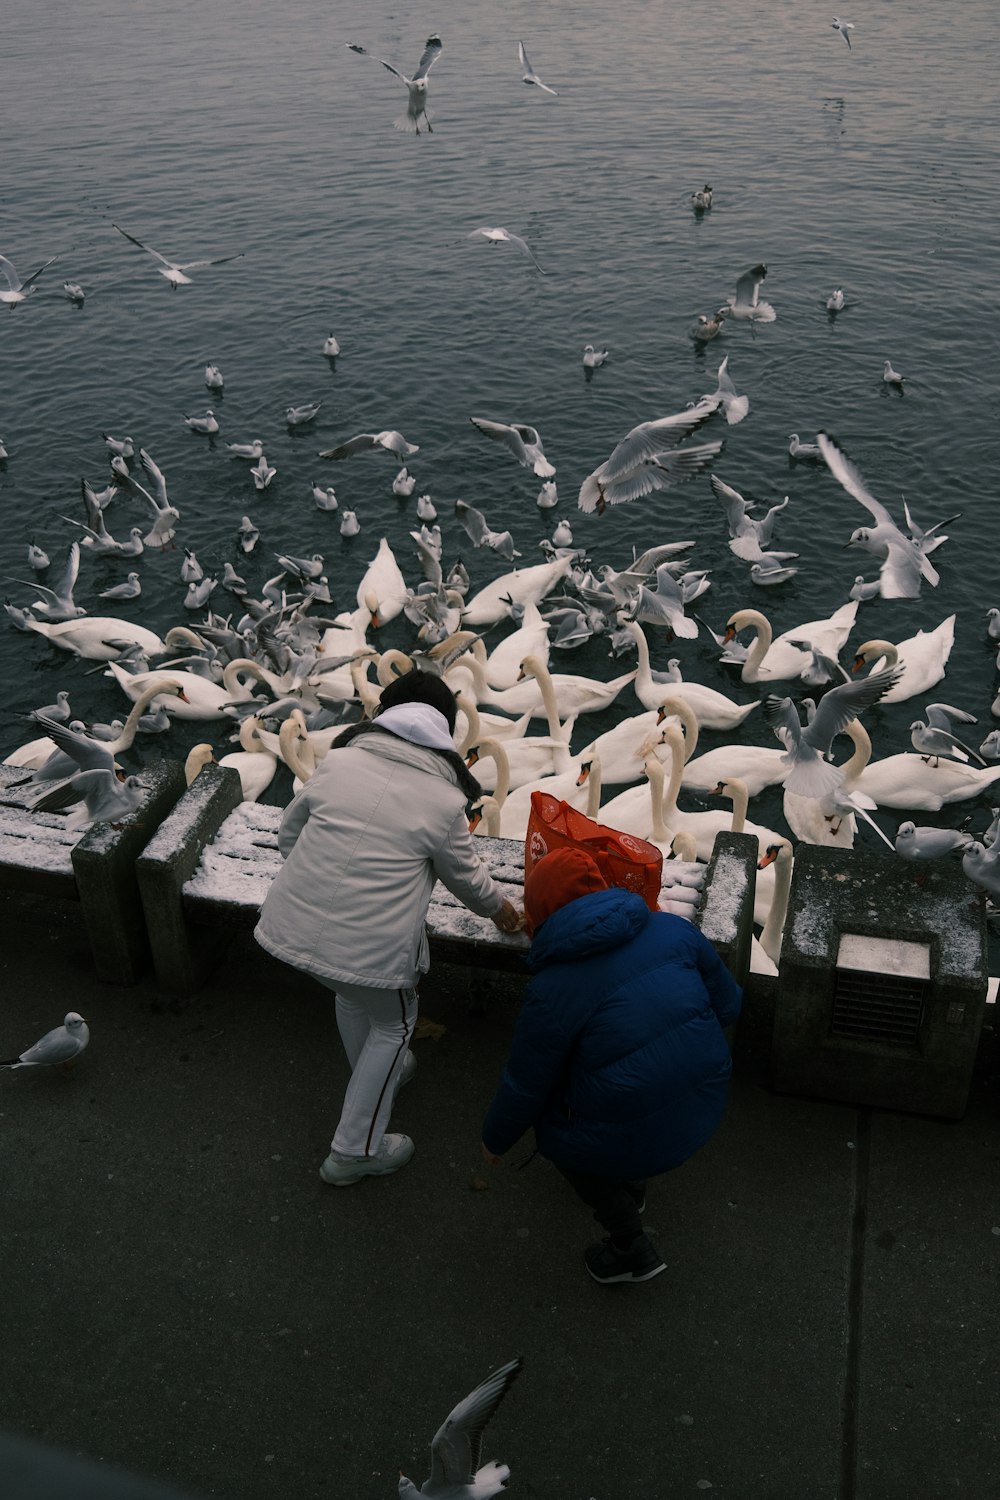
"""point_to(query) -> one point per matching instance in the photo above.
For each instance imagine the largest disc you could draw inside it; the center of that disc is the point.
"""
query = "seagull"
(805, 451)
(664, 605)
(843, 27)
(324, 499)
(563, 534)
(426, 510)
(835, 301)
(305, 567)
(214, 378)
(982, 866)
(528, 73)
(373, 442)
(38, 558)
(929, 843)
(208, 424)
(746, 303)
(749, 539)
(735, 407)
(821, 668)
(548, 498)
(417, 103)
(648, 459)
(891, 376)
(130, 589)
(771, 568)
(61, 1045)
(297, 416)
(173, 270)
(456, 1448)
(97, 538)
(93, 797)
(124, 447)
(330, 347)
(810, 775)
(191, 569)
(248, 534)
(252, 450)
(262, 473)
(18, 290)
(481, 534)
(59, 710)
(164, 514)
(349, 523)
(904, 562)
(404, 483)
(593, 358)
(500, 236)
(74, 291)
(702, 199)
(934, 737)
(707, 328)
(58, 604)
(199, 592)
(523, 442)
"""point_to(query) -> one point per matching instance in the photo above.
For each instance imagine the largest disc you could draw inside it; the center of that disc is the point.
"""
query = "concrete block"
(182, 955)
(882, 982)
(726, 912)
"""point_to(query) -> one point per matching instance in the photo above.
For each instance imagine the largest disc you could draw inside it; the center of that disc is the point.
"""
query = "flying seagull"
(647, 459)
(522, 440)
(747, 301)
(416, 107)
(373, 442)
(528, 73)
(61, 1045)
(500, 236)
(18, 290)
(457, 1446)
(843, 27)
(174, 270)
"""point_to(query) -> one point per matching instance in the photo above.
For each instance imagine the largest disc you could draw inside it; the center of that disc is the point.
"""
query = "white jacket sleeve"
(458, 866)
(294, 819)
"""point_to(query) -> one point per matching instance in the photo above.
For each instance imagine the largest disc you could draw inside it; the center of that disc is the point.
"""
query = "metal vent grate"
(876, 1007)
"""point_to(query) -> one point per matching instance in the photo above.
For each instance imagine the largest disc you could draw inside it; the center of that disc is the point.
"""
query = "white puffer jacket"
(363, 843)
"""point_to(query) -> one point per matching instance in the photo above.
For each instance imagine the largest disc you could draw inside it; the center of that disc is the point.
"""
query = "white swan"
(99, 637)
(639, 809)
(773, 656)
(714, 709)
(503, 665)
(766, 950)
(923, 658)
(519, 586)
(254, 763)
(296, 749)
(547, 693)
(620, 750)
(909, 781)
(384, 579)
(201, 698)
(515, 808)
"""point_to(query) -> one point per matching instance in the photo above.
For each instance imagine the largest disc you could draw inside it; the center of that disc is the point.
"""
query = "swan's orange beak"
(473, 756)
(719, 790)
(182, 695)
(475, 818)
(769, 857)
(730, 635)
(857, 664)
(584, 773)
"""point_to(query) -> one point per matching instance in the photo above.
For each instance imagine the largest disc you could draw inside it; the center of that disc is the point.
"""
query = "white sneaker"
(341, 1171)
(407, 1071)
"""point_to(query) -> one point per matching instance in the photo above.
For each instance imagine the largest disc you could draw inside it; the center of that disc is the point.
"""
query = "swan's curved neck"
(654, 774)
(473, 727)
(533, 666)
(876, 651)
(770, 938)
(495, 749)
(739, 794)
(476, 671)
(761, 644)
(364, 690)
(594, 787)
(675, 740)
(392, 664)
(861, 740)
(683, 711)
(296, 750)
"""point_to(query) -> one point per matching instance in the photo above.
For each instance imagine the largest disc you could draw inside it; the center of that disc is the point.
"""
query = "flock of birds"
(283, 673)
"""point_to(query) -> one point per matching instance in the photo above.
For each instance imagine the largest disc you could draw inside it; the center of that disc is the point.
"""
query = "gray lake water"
(208, 130)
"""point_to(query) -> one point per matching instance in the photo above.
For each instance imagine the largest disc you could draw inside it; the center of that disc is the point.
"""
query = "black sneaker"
(607, 1264)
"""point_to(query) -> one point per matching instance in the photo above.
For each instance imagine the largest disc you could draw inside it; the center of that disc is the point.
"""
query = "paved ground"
(183, 1295)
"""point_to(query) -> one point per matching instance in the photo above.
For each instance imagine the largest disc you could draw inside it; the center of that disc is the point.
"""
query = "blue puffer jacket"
(618, 1058)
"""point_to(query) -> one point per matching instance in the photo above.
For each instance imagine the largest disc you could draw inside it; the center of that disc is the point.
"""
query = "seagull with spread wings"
(18, 290)
(501, 236)
(648, 459)
(810, 774)
(416, 107)
(176, 271)
(522, 440)
(480, 532)
(747, 301)
(528, 74)
(388, 441)
(904, 561)
(165, 516)
(456, 1449)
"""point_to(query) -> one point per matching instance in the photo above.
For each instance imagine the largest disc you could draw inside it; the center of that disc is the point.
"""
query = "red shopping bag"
(622, 859)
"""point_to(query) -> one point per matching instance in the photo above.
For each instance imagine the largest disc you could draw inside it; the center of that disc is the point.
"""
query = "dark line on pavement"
(855, 1301)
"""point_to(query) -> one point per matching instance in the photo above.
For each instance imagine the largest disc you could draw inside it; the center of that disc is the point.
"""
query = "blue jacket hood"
(590, 924)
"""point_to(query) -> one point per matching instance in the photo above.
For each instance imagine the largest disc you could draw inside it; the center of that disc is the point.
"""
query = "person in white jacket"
(363, 842)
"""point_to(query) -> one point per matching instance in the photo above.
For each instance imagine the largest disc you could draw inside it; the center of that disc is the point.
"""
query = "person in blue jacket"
(619, 1060)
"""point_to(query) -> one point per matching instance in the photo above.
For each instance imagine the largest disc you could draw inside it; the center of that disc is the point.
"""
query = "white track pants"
(375, 1027)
